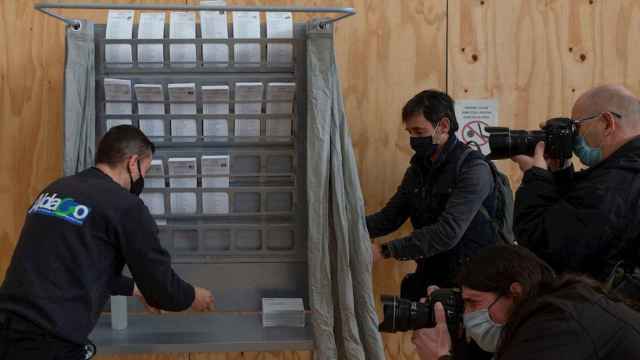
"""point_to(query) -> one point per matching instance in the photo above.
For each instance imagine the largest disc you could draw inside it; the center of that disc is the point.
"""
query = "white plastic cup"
(118, 312)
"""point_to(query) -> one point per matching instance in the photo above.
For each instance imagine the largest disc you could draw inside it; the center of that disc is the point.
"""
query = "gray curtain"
(341, 298)
(79, 99)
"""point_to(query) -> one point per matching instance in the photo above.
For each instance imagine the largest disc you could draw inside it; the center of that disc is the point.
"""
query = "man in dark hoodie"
(77, 236)
(588, 221)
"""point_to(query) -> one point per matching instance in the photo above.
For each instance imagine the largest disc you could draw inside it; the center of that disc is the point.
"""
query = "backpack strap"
(483, 210)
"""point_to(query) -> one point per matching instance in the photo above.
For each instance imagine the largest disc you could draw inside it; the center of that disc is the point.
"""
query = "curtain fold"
(341, 296)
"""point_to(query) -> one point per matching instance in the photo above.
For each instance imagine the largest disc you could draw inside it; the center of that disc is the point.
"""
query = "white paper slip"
(279, 26)
(115, 122)
(119, 27)
(215, 203)
(185, 95)
(212, 95)
(161, 222)
(214, 26)
(215, 165)
(247, 127)
(185, 170)
(246, 25)
(183, 202)
(283, 94)
(117, 90)
(248, 97)
(279, 127)
(155, 175)
(154, 201)
(151, 27)
(215, 127)
(283, 312)
(150, 92)
(183, 26)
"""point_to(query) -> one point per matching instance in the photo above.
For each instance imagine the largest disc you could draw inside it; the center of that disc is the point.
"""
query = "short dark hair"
(121, 142)
(433, 105)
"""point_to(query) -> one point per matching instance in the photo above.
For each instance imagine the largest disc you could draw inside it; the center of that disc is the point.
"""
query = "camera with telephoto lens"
(404, 315)
(558, 135)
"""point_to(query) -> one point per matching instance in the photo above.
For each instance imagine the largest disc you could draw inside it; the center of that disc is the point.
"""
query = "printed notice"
(473, 116)
(246, 25)
(214, 26)
(119, 27)
(183, 26)
(151, 27)
(182, 98)
(183, 174)
(150, 98)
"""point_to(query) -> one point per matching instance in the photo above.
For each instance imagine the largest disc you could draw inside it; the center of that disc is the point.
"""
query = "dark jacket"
(77, 237)
(583, 221)
(576, 323)
(443, 207)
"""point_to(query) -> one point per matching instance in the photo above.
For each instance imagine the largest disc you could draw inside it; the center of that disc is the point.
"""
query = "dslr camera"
(558, 135)
(405, 315)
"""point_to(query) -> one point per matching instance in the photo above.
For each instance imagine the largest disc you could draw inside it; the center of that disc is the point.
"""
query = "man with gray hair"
(588, 221)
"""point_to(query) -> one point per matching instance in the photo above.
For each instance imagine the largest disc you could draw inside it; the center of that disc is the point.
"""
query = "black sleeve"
(564, 229)
(474, 184)
(394, 213)
(150, 263)
(122, 285)
(549, 336)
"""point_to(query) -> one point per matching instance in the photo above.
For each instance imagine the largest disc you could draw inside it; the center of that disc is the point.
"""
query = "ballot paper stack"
(283, 312)
(117, 94)
(119, 27)
(150, 98)
(215, 101)
(183, 26)
(151, 27)
(214, 26)
(280, 101)
(246, 25)
(248, 101)
(279, 26)
(183, 102)
(154, 179)
(183, 174)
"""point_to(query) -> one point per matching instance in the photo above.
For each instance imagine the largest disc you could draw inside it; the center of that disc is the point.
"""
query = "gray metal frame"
(272, 261)
(47, 8)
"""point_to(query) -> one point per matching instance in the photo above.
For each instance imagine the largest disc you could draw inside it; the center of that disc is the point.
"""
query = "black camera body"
(558, 134)
(405, 315)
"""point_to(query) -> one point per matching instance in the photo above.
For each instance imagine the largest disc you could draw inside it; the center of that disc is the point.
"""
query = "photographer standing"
(448, 192)
(588, 221)
(515, 307)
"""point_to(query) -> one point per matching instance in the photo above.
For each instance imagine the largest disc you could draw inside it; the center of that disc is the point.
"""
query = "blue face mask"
(484, 331)
(588, 155)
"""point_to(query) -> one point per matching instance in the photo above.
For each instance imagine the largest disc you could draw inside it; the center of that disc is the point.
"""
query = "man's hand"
(433, 343)
(527, 162)
(376, 252)
(203, 300)
(143, 301)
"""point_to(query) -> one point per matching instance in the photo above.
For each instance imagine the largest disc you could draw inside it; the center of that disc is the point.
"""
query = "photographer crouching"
(513, 305)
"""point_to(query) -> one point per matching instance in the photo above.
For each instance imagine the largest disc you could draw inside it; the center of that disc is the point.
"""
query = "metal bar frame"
(47, 8)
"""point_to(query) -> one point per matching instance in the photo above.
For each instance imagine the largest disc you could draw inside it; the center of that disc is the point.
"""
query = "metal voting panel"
(256, 246)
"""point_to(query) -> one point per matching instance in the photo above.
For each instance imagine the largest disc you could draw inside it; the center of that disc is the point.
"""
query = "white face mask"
(482, 329)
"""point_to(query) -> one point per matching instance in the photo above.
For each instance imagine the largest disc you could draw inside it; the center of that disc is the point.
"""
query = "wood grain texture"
(537, 57)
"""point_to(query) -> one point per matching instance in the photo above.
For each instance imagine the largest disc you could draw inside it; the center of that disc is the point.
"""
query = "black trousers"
(23, 340)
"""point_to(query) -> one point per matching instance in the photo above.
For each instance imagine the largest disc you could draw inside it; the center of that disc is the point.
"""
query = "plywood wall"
(534, 56)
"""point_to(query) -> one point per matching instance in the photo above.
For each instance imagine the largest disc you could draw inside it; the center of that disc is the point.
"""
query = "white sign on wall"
(473, 116)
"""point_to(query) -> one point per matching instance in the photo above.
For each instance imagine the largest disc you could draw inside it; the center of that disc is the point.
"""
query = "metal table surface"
(211, 332)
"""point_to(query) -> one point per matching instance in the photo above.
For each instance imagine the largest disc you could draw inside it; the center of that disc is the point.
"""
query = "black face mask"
(423, 146)
(138, 185)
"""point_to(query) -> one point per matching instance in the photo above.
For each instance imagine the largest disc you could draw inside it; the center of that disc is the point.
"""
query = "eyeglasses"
(580, 121)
